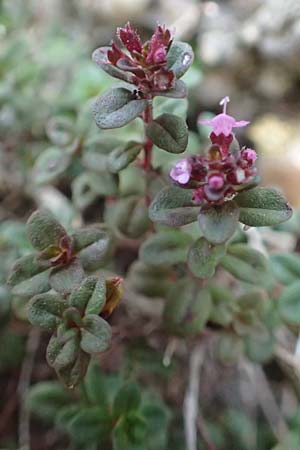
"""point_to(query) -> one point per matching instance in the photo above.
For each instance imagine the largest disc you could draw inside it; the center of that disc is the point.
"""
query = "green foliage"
(289, 304)
(116, 108)
(261, 207)
(180, 58)
(246, 264)
(203, 258)
(174, 207)
(218, 223)
(187, 314)
(114, 410)
(168, 132)
(165, 248)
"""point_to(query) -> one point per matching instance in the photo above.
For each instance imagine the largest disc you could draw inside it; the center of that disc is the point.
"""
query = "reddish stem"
(148, 144)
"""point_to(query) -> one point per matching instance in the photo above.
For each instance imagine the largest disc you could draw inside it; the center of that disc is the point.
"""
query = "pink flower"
(182, 171)
(223, 123)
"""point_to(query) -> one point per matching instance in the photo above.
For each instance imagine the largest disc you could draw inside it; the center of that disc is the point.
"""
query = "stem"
(190, 405)
(148, 144)
(23, 387)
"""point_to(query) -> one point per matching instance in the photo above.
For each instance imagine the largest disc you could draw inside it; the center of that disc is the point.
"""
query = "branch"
(23, 386)
(190, 404)
(266, 400)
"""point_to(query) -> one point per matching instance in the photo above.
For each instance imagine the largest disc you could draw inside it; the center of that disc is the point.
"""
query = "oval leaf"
(50, 165)
(289, 304)
(203, 258)
(44, 230)
(218, 222)
(169, 133)
(166, 248)
(180, 57)
(64, 279)
(173, 206)
(100, 57)
(286, 267)
(246, 264)
(95, 335)
(46, 310)
(122, 156)
(116, 108)
(261, 207)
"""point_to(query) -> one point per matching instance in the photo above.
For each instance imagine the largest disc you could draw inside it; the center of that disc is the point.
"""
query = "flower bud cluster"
(220, 174)
(146, 63)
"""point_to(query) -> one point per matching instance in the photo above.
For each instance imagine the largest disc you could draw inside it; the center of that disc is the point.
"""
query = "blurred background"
(248, 50)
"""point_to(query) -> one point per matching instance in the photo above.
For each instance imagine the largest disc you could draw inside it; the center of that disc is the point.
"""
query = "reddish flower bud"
(198, 195)
(159, 45)
(249, 155)
(216, 181)
(129, 38)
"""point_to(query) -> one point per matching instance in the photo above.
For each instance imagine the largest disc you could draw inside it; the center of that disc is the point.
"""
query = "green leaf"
(100, 57)
(116, 108)
(95, 335)
(64, 279)
(218, 222)
(289, 304)
(179, 58)
(50, 165)
(96, 151)
(260, 348)
(246, 264)
(187, 313)
(71, 375)
(37, 284)
(122, 156)
(178, 91)
(46, 310)
(90, 297)
(127, 399)
(173, 206)
(129, 216)
(100, 387)
(90, 425)
(168, 132)
(46, 398)
(203, 258)
(129, 433)
(25, 268)
(60, 131)
(43, 229)
(261, 207)
(157, 417)
(286, 267)
(229, 348)
(94, 247)
(90, 185)
(64, 355)
(63, 347)
(151, 281)
(84, 237)
(165, 248)
(223, 305)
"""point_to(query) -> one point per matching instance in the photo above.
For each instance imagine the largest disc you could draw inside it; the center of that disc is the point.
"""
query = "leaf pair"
(60, 260)
(173, 206)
